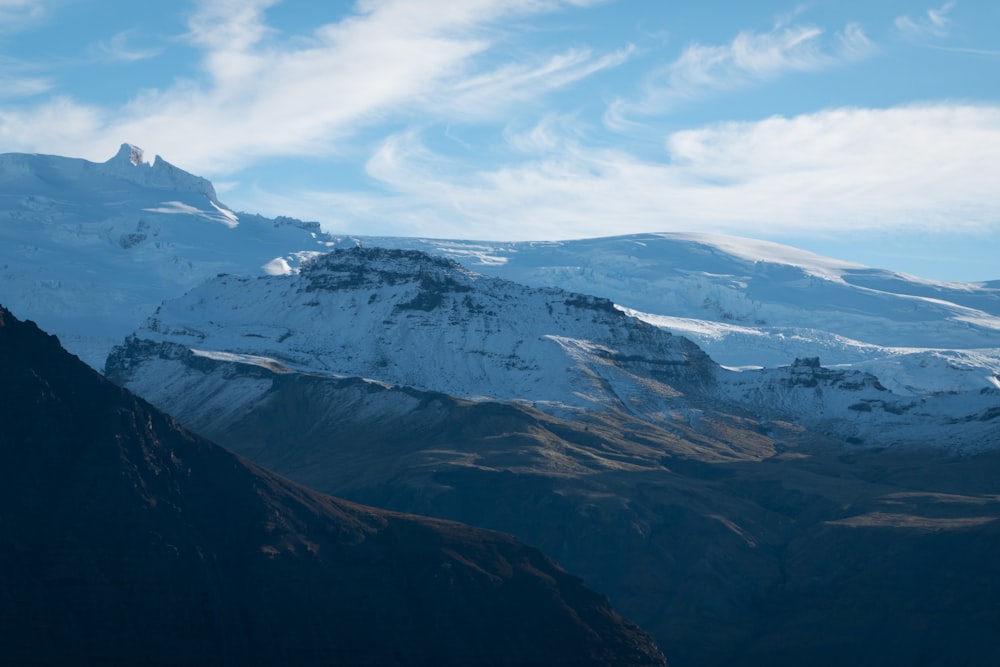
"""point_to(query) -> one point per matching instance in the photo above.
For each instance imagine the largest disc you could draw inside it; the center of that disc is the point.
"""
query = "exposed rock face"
(408, 318)
(126, 540)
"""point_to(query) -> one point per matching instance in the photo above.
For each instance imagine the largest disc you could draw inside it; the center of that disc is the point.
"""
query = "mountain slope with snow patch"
(88, 250)
(755, 303)
(412, 319)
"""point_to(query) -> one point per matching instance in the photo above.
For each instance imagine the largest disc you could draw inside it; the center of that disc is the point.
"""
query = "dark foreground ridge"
(124, 539)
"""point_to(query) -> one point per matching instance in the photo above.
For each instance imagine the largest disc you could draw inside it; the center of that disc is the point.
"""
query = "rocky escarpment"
(855, 407)
(381, 314)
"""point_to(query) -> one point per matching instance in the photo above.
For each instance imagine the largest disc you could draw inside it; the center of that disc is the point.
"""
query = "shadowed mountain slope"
(124, 539)
(730, 542)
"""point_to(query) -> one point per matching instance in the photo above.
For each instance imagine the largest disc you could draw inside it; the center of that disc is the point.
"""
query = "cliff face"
(126, 540)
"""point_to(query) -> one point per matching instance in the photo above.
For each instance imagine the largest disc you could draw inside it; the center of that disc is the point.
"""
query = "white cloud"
(395, 67)
(924, 167)
(67, 123)
(263, 93)
(935, 23)
(229, 25)
(750, 58)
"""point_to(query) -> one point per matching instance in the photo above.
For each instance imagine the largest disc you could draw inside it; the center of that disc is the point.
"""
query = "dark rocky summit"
(126, 540)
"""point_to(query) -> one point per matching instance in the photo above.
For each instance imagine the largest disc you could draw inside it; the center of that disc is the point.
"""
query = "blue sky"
(869, 131)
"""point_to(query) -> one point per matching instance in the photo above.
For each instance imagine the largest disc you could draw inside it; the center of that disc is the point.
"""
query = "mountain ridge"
(111, 245)
(378, 313)
(754, 303)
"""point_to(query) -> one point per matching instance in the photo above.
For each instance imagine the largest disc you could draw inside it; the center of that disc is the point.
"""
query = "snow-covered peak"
(409, 318)
(89, 249)
(756, 250)
(128, 163)
(131, 153)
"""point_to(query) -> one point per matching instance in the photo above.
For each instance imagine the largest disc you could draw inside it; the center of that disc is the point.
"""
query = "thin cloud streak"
(493, 94)
(750, 58)
(18, 14)
(935, 23)
(120, 49)
(924, 167)
(15, 82)
(970, 50)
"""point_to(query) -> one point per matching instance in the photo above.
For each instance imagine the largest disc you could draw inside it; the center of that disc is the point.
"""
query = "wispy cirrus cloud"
(750, 58)
(915, 167)
(263, 93)
(17, 86)
(121, 48)
(17, 14)
(20, 79)
(495, 92)
(934, 23)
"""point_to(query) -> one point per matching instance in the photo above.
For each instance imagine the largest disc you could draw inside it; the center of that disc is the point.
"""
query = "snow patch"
(278, 266)
(226, 217)
(229, 218)
(249, 359)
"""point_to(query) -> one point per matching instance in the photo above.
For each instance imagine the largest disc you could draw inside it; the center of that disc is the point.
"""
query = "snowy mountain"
(385, 314)
(88, 250)
(754, 303)
(412, 319)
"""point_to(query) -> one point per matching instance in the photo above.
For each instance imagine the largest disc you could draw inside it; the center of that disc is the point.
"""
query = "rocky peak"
(128, 163)
(358, 267)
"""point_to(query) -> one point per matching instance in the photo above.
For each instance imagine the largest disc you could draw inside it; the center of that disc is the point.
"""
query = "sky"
(867, 131)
